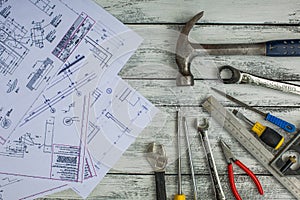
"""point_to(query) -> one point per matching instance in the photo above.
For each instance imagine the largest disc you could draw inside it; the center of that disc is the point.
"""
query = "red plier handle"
(249, 172)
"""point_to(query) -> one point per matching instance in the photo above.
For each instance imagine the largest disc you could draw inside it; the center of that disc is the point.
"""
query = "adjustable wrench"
(237, 76)
(202, 129)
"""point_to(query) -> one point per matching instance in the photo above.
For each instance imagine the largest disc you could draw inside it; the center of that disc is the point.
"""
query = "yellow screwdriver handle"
(258, 128)
(179, 197)
(268, 135)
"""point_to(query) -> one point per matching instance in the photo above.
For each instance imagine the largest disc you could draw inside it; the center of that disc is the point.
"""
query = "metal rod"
(179, 154)
(190, 157)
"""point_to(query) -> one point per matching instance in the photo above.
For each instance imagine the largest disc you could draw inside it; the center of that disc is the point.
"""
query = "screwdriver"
(179, 195)
(268, 135)
(190, 157)
(288, 127)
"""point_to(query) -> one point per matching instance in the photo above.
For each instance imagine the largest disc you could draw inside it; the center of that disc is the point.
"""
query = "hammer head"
(185, 53)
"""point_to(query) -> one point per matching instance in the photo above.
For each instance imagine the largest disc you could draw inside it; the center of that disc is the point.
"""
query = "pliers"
(230, 158)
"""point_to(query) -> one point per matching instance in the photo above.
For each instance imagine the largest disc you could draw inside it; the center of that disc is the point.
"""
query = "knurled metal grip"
(283, 48)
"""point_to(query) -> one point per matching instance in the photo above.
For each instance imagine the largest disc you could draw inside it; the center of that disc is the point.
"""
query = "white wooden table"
(152, 71)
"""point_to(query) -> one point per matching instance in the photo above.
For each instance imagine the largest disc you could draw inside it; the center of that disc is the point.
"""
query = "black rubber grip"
(283, 48)
(271, 138)
(160, 186)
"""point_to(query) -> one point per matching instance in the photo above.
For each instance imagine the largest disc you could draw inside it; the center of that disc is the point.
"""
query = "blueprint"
(77, 117)
(129, 112)
(119, 114)
(53, 37)
(55, 129)
(13, 187)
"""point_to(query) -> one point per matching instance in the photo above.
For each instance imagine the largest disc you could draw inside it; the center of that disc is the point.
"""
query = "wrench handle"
(277, 85)
(288, 127)
(283, 48)
(160, 185)
(219, 194)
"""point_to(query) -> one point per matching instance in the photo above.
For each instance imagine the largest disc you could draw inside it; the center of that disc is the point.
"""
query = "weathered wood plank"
(143, 187)
(155, 58)
(166, 93)
(216, 11)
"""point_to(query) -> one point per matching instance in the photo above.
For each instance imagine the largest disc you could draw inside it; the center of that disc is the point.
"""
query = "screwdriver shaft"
(239, 102)
(190, 157)
(288, 127)
(179, 154)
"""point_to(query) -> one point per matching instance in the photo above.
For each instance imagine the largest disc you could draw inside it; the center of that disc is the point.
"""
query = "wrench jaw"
(228, 74)
(202, 128)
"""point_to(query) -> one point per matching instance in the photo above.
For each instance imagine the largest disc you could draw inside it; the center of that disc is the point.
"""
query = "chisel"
(288, 127)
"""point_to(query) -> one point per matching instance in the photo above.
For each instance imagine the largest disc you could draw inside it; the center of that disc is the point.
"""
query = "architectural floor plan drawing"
(48, 43)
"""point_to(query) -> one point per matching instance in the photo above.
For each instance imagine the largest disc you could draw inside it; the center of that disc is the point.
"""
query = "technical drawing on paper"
(50, 47)
(122, 107)
(73, 37)
(18, 148)
(106, 33)
(12, 85)
(2, 2)
(68, 121)
(12, 50)
(49, 134)
(67, 82)
(5, 11)
(8, 180)
(44, 5)
(121, 114)
(96, 95)
(61, 159)
(49, 102)
(93, 131)
(41, 74)
(38, 34)
(70, 106)
(122, 126)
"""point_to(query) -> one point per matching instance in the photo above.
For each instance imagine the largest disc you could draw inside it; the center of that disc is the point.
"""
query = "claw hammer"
(186, 51)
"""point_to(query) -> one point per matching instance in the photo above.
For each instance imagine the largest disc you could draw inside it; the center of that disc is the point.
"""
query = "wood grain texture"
(155, 58)
(216, 11)
(115, 186)
(152, 71)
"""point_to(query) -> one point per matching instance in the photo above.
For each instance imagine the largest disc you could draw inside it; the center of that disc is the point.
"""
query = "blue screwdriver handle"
(281, 123)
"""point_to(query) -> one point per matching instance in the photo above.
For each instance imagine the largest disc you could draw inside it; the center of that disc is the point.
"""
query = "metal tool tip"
(223, 144)
(202, 125)
(235, 111)
(218, 91)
